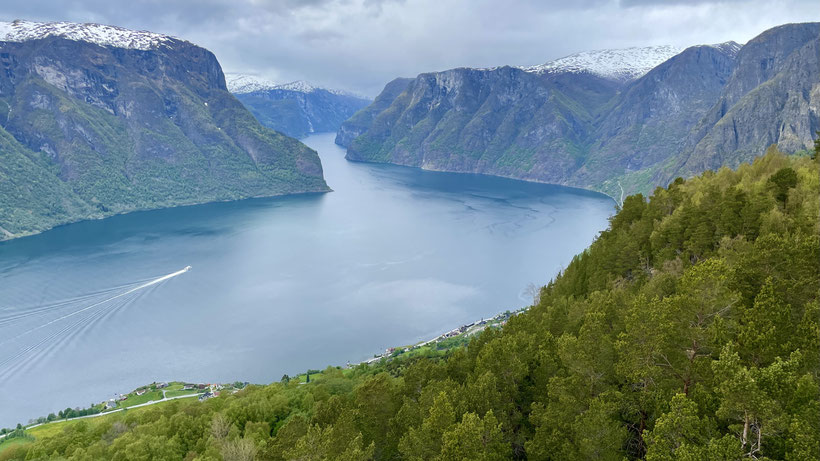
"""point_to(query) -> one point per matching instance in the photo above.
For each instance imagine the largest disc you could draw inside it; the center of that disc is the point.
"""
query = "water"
(395, 255)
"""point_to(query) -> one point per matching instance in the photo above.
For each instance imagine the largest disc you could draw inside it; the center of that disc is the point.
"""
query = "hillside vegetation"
(88, 131)
(687, 331)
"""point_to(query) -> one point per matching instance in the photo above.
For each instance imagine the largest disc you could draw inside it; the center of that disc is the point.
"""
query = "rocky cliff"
(606, 120)
(361, 120)
(503, 121)
(104, 120)
(772, 97)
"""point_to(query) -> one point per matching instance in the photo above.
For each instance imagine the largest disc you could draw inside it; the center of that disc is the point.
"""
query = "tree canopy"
(687, 331)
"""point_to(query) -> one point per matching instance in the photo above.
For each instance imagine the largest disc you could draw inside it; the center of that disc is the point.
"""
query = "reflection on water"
(278, 285)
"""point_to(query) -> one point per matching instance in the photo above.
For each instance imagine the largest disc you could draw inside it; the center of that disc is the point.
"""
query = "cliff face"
(648, 123)
(772, 97)
(111, 128)
(502, 121)
(362, 119)
(592, 124)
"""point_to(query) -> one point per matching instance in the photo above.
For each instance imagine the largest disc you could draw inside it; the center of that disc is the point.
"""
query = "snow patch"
(618, 64)
(243, 83)
(731, 47)
(99, 34)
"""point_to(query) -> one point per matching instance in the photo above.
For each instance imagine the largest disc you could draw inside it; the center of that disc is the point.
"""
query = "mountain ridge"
(601, 130)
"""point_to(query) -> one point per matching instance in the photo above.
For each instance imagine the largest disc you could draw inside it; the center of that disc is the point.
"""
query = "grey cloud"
(361, 44)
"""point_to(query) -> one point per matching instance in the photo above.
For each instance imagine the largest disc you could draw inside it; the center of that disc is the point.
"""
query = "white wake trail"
(144, 285)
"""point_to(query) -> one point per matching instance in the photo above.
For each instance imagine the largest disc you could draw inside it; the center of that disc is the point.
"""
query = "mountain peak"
(244, 83)
(615, 64)
(99, 34)
(731, 47)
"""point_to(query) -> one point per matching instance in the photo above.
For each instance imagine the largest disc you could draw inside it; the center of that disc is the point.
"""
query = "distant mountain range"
(97, 120)
(616, 121)
(296, 108)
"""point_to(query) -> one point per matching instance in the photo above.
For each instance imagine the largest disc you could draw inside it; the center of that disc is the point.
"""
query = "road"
(151, 402)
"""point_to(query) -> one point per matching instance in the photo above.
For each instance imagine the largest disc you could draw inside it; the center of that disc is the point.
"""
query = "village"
(449, 339)
(159, 391)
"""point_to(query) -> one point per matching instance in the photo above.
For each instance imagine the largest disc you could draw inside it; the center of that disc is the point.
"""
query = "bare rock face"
(593, 124)
(126, 121)
(772, 97)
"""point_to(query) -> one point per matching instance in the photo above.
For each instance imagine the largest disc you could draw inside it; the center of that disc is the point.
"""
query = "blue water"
(393, 256)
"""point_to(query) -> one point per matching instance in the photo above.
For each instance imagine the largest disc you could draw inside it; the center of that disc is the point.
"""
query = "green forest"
(687, 331)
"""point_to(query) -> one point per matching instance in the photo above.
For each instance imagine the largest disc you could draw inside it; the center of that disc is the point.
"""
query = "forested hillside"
(98, 120)
(687, 331)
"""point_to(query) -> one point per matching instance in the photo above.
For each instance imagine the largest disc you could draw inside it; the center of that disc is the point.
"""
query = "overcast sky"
(359, 45)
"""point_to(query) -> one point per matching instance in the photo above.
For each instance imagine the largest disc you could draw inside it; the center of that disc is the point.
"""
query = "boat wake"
(29, 334)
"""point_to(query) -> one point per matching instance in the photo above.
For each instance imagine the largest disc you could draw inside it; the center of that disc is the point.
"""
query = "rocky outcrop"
(123, 127)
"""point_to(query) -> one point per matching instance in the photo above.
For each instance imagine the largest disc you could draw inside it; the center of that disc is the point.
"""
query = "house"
(187, 387)
(207, 395)
(110, 405)
(140, 391)
(162, 385)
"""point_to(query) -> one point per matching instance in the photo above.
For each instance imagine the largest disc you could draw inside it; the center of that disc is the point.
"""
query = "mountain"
(650, 120)
(616, 121)
(97, 120)
(522, 123)
(361, 120)
(688, 330)
(296, 108)
(620, 65)
(772, 97)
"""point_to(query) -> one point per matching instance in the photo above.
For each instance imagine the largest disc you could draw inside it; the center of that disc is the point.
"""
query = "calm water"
(393, 256)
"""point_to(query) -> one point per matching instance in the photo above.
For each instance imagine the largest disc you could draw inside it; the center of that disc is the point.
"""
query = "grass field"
(179, 392)
(134, 399)
(10, 443)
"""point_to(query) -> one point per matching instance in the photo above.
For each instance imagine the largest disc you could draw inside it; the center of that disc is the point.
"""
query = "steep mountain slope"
(297, 108)
(772, 97)
(502, 121)
(361, 120)
(127, 120)
(616, 121)
(32, 198)
(649, 121)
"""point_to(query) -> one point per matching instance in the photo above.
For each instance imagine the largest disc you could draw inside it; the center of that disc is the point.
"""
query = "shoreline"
(465, 330)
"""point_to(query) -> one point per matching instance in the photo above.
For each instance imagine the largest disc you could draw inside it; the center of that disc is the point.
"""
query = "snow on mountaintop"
(619, 64)
(731, 47)
(242, 83)
(20, 31)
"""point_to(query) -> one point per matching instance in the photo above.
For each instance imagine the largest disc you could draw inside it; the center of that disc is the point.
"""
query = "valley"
(402, 255)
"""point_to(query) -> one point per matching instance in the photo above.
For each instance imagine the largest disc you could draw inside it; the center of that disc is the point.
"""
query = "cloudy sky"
(359, 45)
